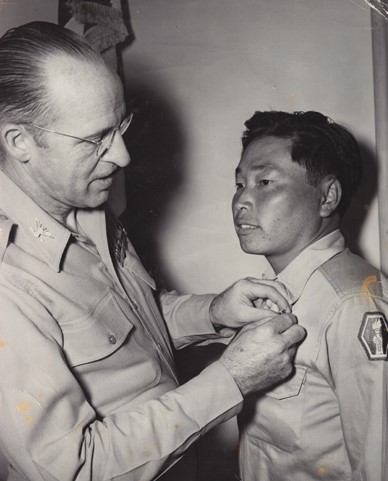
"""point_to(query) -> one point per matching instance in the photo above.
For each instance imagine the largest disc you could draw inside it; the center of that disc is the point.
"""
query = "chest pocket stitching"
(289, 388)
(88, 338)
(271, 425)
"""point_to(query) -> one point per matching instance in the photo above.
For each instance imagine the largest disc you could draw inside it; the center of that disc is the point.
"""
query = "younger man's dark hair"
(320, 145)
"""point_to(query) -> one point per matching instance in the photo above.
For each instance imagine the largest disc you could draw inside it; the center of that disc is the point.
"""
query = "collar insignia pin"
(40, 231)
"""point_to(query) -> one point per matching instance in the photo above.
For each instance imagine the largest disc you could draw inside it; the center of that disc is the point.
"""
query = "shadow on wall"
(359, 207)
(157, 147)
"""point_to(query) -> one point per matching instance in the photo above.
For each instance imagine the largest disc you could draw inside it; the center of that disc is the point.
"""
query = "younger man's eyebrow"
(258, 168)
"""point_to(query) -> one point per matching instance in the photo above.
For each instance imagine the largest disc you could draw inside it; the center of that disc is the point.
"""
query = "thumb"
(226, 332)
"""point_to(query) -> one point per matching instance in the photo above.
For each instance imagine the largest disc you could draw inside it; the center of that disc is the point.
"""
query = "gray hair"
(23, 52)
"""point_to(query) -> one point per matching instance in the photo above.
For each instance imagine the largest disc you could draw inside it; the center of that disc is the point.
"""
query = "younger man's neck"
(281, 261)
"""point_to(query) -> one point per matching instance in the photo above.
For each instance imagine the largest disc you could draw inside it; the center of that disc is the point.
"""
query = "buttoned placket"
(139, 315)
(136, 310)
(104, 254)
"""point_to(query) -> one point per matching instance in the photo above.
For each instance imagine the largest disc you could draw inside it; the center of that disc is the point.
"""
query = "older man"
(88, 387)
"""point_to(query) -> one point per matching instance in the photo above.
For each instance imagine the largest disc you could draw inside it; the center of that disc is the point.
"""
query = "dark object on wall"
(104, 23)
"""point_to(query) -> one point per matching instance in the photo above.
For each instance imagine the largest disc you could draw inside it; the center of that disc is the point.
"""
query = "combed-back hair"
(23, 52)
(320, 145)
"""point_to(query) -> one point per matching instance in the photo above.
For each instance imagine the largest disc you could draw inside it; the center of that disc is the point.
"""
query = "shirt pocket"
(276, 416)
(98, 333)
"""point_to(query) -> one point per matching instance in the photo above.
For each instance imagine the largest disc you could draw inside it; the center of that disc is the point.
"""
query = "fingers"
(272, 324)
(278, 285)
(248, 300)
(226, 332)
(268, 304)
(281, 323)
(274, 292)
(286, 325)
(261, 354)
(294, 335)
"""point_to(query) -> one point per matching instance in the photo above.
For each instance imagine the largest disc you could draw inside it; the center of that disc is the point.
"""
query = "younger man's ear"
(15, 141)
(331, 195)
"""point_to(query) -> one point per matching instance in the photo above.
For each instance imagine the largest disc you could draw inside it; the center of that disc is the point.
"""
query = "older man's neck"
(36, 192)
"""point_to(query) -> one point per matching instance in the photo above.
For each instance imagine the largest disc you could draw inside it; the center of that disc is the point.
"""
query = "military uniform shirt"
(87, 381)
(328, 421)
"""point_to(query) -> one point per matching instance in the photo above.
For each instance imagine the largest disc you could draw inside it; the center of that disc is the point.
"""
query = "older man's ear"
(15, 141)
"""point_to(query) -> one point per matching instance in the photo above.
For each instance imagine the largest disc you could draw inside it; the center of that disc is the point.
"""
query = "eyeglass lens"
(107, 141)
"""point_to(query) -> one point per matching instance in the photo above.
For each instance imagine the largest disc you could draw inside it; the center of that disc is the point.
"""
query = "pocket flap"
(291, 387)
(98, 333)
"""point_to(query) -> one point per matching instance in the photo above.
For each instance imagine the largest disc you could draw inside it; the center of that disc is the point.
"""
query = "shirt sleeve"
(188, 319)
(359, 381)
(49, 428)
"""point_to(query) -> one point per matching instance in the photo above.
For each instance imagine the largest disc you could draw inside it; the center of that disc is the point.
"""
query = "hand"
(248, 300)
(261, 354)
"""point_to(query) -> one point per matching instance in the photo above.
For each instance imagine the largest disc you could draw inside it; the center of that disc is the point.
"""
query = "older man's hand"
(248, 300)
(262, 353)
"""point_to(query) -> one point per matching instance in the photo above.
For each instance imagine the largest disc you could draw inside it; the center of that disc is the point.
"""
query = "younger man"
(296, 177)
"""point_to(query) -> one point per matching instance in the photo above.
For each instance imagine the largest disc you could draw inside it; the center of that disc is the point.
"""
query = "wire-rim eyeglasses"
(103, 145)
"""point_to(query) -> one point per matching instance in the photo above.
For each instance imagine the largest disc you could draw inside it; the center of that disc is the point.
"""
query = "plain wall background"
(203, 68)
(196, 71)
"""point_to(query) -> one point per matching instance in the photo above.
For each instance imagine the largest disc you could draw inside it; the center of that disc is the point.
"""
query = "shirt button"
(112, 339)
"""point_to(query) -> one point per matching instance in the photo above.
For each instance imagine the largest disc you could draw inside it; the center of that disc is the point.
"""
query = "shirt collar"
(297, 273)
(48, 237)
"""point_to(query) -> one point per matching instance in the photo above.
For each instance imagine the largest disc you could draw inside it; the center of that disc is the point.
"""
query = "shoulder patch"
(373, 336)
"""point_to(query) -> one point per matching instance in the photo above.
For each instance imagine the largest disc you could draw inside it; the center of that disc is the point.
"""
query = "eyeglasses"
(103, 145)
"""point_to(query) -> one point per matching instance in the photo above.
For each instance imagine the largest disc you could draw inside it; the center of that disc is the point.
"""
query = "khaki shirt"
(88, 389)
(328, 421)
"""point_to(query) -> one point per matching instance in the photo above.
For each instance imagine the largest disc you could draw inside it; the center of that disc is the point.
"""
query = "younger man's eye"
(264, 182)
(239, 185)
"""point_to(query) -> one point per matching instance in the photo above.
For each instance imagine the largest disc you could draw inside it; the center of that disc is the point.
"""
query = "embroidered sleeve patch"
(374, 336)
